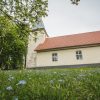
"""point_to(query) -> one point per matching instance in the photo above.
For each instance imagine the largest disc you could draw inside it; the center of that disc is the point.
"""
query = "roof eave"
(68, 47)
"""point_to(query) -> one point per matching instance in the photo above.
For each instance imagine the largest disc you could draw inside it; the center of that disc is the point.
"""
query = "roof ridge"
(73, 34)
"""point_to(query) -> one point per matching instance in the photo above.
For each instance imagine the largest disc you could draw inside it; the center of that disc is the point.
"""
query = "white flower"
(61, 81)
(82, 75)
(10, 78)
(9, 88)
(51, 81)
(22, 82)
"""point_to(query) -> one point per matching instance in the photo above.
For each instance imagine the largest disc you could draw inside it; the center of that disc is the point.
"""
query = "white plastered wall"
(32, 44)
(68, 57)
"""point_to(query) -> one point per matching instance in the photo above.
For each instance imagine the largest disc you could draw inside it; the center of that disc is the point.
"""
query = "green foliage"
(54, 84)
(24, 10)
(76, 2)
(23, 14)
(12, 44)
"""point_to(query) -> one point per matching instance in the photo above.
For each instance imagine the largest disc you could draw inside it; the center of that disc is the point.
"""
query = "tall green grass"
(52, 84)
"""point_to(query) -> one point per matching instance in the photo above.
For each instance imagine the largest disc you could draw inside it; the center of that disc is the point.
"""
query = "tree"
(25, 10)
(23, 13)
(76, 2)
(12, 44)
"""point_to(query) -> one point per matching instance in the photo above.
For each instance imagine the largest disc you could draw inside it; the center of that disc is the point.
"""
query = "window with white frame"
(79, 55)
(54, 57)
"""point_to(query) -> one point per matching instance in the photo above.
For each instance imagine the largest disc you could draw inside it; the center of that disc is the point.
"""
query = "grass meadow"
(50, 84)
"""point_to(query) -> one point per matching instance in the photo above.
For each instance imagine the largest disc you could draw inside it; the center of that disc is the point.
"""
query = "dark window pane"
(76, 52)
(79, 52)
(77, 57)
(81, 57)
(54, 57)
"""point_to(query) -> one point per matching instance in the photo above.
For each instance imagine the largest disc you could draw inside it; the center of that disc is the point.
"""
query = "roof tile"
(70, 40)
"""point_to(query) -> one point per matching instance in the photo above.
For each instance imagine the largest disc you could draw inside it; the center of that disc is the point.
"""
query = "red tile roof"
(70, 41)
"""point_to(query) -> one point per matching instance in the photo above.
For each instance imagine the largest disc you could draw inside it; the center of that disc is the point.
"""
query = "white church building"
(63, 51)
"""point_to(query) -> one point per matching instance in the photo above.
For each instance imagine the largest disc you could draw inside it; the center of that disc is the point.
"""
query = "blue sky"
(65, 18)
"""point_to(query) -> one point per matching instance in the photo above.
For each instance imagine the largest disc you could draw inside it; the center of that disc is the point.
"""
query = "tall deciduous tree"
(12, 44)
(24, 13)
(23, 10)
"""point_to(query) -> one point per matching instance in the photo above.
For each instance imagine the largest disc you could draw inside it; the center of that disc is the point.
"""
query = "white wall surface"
(31, 55)
(68, 57)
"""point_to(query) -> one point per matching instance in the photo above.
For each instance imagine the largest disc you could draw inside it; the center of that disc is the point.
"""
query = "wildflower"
(82, 75)
(61, 81)
(51, 81)
(10, 78)
(9, 88)
(22, 82)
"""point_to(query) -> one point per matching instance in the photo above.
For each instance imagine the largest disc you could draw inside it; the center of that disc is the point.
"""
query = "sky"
(64, 18)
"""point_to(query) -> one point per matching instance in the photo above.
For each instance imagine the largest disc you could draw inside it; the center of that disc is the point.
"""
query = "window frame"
(54, 57)
(79, 55)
